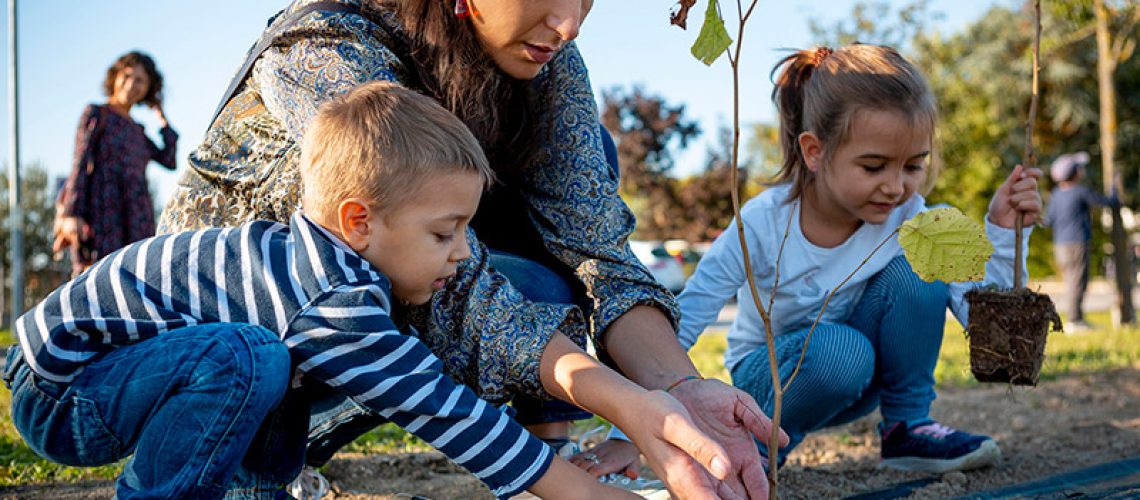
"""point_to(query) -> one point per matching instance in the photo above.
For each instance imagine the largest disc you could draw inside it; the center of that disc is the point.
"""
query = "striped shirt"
(328, 304)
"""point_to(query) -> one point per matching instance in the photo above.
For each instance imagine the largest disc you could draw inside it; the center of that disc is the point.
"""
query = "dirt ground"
(1060, 426)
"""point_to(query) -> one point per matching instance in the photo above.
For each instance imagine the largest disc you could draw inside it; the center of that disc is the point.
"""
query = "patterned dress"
(488, 336)
(107, 185)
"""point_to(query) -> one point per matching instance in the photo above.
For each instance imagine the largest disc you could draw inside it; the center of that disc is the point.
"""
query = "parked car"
(664, 267)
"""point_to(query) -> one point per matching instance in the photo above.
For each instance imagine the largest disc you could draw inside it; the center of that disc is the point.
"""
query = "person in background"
(1068, 214)
(105, 203)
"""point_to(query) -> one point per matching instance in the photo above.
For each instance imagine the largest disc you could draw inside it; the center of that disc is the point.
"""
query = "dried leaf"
(680, 16)
(944, 244)
(714, 39)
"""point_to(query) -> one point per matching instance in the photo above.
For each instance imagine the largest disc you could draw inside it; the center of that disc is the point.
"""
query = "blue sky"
(66, 45)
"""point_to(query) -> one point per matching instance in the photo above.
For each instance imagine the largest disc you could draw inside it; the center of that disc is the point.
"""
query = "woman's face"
(523, 35)
(131, 85)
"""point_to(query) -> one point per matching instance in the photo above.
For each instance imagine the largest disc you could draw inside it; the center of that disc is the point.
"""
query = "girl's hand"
(1017, 194)
(613, 455)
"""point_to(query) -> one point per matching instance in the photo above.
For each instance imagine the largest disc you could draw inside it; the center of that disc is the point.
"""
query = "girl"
(856, 131)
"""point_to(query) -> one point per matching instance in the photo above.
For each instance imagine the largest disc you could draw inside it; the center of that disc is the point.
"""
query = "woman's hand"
(69, 231)
(608, 457)
(157, 107)
(1017, 194)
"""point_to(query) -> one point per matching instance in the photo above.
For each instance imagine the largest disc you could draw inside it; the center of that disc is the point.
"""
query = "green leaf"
(714, 39)
(943, 244)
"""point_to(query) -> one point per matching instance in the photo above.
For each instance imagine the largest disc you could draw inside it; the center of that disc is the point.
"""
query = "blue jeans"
(186, 404)
(883, 357)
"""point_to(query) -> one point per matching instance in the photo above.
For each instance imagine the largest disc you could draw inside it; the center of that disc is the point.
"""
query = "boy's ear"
(353, 217)
(812, 150)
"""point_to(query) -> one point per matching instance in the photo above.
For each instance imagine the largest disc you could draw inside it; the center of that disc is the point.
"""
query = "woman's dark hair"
(454, 69)
(135, 58)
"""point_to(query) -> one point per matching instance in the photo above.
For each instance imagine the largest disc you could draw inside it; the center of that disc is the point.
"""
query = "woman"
(105, 203)
(509, 70)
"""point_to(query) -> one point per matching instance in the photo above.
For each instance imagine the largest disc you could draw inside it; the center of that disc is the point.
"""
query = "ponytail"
(788, 95)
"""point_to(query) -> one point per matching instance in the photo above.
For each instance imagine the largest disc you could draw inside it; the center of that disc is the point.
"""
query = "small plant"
(1008, 328)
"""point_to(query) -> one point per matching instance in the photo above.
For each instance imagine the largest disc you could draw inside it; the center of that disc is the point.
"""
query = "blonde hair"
(382, 142)
(820, 90)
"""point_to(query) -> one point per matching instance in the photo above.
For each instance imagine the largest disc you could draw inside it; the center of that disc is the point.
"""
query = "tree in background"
(647, 130)
(706, 198)
(42, 273)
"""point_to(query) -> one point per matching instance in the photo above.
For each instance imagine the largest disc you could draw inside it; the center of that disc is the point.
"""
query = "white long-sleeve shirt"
(807, 272)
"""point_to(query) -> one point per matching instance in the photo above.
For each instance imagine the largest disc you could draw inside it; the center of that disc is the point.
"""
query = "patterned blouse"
(107, 185)
(488, 336)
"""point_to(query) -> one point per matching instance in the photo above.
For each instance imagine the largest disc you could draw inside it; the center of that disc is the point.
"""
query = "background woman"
(105, 203)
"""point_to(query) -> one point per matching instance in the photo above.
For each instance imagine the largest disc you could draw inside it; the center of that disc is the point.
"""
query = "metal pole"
(16, 214)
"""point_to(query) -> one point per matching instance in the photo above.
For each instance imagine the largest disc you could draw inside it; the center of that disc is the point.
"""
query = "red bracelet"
(683, 379)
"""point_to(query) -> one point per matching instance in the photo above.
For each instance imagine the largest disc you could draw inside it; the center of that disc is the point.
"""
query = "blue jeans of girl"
(184, 405)
(884, 356)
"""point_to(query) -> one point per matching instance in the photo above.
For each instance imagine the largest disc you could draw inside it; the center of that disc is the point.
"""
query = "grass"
(1100, 348)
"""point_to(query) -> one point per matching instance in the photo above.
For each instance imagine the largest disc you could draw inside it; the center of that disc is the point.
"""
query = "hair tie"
(820, 54)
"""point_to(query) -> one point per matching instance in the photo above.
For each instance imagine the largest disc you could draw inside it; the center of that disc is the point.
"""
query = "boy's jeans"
(186, 404)
(884, 354)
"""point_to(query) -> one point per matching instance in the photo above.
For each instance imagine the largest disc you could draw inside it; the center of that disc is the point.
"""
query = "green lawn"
(1098, 349)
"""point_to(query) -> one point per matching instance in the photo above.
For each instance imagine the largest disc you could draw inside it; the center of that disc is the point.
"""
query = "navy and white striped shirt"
(328, 304)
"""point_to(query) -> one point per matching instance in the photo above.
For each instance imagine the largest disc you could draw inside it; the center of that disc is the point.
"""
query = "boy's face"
(419, 245)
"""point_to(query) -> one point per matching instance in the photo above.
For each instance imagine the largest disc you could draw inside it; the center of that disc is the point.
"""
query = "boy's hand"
(608, 457)
(1017, 194)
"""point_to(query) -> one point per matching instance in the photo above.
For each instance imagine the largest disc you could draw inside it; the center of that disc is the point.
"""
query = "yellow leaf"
(943, 244)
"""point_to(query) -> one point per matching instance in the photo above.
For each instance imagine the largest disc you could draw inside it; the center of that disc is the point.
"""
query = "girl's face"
(523, 35)
(882, 164)
(131, 85)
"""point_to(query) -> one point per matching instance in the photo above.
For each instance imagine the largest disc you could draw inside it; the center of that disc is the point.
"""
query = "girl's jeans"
(884, 356)
(186, 404)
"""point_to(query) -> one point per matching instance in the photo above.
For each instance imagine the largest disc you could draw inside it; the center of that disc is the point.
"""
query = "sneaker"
(309, 485)
(929, 446)
(645, 488)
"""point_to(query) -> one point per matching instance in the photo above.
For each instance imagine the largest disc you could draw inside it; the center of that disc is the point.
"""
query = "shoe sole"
(986, 455)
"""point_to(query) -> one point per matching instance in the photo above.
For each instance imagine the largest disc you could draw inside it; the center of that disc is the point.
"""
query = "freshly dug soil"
(1059, 426)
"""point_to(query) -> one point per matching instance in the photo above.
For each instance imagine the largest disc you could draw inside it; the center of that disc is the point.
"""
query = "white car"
(665, 268)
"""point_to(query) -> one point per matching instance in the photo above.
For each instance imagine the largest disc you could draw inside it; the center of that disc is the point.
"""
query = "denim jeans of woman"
(185, 407)
(884, 356)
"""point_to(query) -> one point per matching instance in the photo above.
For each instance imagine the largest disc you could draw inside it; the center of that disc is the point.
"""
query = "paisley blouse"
(488, 336)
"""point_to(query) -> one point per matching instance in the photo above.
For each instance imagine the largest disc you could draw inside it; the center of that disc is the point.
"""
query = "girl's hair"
(135, 58)
(821, 90)
(454, 69)
(384, 143)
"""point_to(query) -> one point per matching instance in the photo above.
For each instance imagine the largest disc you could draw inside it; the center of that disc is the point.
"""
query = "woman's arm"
(658, 424)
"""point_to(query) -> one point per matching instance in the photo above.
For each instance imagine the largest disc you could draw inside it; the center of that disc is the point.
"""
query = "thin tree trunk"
(1122, 256)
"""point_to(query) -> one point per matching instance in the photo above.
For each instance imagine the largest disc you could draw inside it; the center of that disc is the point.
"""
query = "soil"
(1007, 332)
(1059, 426)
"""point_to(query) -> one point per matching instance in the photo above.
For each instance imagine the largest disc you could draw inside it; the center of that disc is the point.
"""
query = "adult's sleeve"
(74, 201)
(346, 340)
(167, 155)
(574, 203)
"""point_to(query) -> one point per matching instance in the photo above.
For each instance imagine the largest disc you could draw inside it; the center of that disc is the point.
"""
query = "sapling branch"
(1030, 158)
(827, 300)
